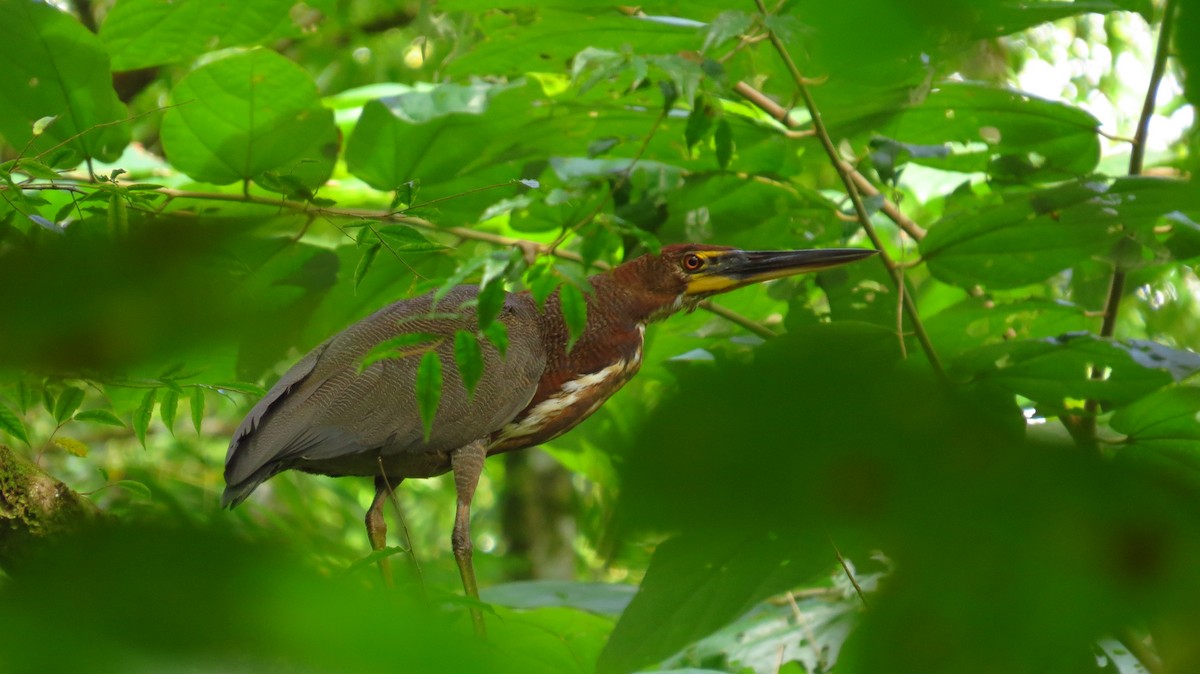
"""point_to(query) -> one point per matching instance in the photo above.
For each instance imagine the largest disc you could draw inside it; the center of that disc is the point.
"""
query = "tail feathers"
(235, 493)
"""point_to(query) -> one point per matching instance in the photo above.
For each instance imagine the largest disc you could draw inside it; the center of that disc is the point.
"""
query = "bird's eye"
(693, 262)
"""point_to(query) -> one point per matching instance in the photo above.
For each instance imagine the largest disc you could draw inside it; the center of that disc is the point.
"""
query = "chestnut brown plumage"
(326, 416)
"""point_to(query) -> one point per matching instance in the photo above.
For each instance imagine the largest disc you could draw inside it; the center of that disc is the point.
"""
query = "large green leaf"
(432, 133)
(51, 66)
(1031, 235)
(143, 33)
(1009, 134)
(1055, 370)
(242, 115)
(695, 585)
(1164, 430)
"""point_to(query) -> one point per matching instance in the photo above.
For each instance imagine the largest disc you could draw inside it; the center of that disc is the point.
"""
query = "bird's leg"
(377, 527)
(467, 463)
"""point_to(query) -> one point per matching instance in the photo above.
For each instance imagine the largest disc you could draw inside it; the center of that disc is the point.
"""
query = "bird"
(329, 415)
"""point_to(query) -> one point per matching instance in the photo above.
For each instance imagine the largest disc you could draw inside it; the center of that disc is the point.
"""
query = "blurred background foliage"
(1001, 476)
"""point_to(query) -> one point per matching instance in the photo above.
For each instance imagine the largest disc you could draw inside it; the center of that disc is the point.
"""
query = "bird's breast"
(575, 400)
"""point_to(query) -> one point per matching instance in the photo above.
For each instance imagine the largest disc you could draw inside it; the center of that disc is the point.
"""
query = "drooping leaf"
(497, 334)
(365, 261)
(11, 423)
(723, 137)
(468, 356)
(168, 408)
(68, 401)
(574, 309)
(429, 389)
(491, 302)
(143, 414)
(197, 407)
(100, 417)
(400, 346)
(699, 123)
(242, 118)
(51, 66)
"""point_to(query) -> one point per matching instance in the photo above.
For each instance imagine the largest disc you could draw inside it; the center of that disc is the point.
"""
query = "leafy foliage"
(1001, 408)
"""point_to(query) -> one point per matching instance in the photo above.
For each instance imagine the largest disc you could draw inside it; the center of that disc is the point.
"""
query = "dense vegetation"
(977, 452)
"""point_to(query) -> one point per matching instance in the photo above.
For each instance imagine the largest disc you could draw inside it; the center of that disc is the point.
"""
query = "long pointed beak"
(729, 269)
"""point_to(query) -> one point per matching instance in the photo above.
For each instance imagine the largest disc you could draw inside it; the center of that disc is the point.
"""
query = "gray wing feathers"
(323, 408)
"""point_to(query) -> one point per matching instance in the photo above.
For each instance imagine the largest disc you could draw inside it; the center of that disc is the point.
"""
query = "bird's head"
(682, 275)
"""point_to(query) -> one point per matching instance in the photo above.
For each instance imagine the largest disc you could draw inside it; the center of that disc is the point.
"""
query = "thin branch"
(530, 247)
(780, 114)
(1085, 433)
(1138, 649)
(910, 307)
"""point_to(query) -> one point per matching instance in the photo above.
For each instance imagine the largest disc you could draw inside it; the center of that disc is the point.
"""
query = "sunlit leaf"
(405, 239)
(72, 446)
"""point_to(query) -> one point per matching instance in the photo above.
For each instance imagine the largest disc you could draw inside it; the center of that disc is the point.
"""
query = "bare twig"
(910, 307)
(1140, 650)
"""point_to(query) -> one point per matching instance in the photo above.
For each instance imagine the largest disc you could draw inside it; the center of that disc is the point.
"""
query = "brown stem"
(864, 218)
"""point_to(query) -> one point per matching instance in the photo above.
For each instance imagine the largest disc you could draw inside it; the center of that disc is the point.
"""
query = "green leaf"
(699, 123)
(100, 417)
(724, 141)
(1037, 233)
(469, 359)
(697, 584)
(241, 116)
(1011, 135)
(51, 66)
(429, 389)
(136, 489)
(401, 138)
(118, 216)
(168, 408)
(72, 446)
(144, 33)
(1057, 370)
(197, 407)
(491, 302)
(405, 239)
(365, 261)
(241, 387)
(400, 346)
(143, 414)
(11, 423)
(497, 334)
(68, 401)
(1163, 430)
(574, 309)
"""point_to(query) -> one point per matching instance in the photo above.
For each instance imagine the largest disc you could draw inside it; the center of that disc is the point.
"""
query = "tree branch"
(909, 306)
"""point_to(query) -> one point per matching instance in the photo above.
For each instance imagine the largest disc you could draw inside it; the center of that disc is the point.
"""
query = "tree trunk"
(34, 507)
(538, 518)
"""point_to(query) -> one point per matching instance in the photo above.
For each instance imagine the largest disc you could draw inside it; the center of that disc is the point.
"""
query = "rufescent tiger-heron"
(325, 416)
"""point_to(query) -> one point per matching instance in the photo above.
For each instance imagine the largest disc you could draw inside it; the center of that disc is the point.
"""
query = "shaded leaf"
(724, 141)
(429, 389)
(168, 408)
(469, 359)
(68, 401)
(491, 302)
(365, 261)
(11, 423)
(50, 65)
(405, 239)
(197, 407)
